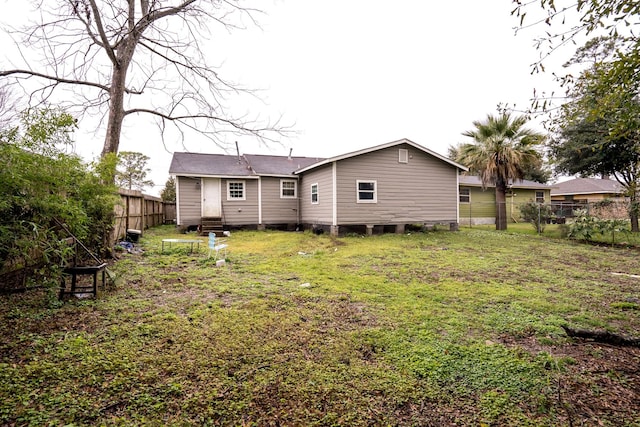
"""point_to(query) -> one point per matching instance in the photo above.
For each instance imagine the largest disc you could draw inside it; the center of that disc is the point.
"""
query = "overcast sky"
(349, 74)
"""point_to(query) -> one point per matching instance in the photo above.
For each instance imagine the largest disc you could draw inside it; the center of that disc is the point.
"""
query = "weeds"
(433, 328)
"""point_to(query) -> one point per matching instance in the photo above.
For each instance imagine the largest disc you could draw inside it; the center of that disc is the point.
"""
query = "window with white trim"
(314, 193)
(403, 155)
(465, 195)
(236, 190)
(366, 191)
(540, 196)
(288, 189)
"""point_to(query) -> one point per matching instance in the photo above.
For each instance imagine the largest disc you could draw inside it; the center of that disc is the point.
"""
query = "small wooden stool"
(84, 270)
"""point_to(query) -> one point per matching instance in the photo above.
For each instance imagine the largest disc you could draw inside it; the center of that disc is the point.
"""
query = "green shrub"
(537, 214)
(587, 227)
(41, 186)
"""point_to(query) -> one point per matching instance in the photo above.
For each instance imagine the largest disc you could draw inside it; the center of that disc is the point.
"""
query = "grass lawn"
(620, 238)
(431, 329)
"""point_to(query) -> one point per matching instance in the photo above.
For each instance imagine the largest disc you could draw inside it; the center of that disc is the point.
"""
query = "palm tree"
(501, 152)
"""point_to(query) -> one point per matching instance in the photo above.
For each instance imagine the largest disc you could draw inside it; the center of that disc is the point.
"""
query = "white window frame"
(316, 193)
(403, 155)
(244, 190)
(295, 188)
(375, 190)
(468, 195)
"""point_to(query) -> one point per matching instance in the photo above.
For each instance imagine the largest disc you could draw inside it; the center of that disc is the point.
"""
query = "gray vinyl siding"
(276, 210)
(322, 212)
(241, 212)
(189, 201)
(422, 190)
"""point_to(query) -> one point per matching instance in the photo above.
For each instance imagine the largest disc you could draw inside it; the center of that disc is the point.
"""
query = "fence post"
(144, 211)
(126, 213)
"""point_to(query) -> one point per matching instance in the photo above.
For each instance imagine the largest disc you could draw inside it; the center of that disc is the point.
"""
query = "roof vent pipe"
(238, 151)
(290, 151)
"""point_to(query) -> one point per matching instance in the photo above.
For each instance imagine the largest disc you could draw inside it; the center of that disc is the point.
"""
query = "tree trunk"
(116, 112)
(117, 92)
(501, 206)
(634, 207)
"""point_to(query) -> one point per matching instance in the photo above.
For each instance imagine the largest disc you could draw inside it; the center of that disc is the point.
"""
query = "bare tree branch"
(29, 73)
(114, 58)
(211, 130)
(103, 37)
(8, 111)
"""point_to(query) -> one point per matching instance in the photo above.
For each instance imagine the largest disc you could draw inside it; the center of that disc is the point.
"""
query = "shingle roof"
(278, 165)
(200, 164)
(475, 181)
(587, 186)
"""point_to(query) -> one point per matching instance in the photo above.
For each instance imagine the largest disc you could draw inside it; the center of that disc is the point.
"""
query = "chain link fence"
(560, 212)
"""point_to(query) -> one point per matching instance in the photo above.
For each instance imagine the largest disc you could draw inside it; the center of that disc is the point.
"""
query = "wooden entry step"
(211, 225)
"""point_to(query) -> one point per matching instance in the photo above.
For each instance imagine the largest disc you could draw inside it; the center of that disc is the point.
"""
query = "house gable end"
(400, 142)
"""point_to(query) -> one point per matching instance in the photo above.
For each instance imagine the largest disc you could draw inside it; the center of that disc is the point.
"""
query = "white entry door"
(211, 197)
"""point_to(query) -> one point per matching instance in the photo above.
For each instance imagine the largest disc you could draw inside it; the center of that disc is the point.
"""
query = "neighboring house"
(587, 190)
(387, 186)
(587, 193)
(478, 205)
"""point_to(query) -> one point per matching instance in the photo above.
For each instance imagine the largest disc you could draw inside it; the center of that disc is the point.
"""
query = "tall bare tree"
(118, 58)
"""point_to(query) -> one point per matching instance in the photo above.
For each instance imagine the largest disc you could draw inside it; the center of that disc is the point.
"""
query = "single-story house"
(384, 187)
(587, 193)
(478, 205)
(587, 190)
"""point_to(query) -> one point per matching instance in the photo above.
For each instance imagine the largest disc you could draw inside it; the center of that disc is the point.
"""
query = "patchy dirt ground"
(595, 384)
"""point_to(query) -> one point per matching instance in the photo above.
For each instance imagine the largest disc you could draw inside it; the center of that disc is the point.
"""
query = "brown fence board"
(140, 211)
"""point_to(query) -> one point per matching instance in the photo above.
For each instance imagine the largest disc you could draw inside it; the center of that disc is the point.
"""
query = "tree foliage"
(536, 171)
(132, 170)
(168, 193)
(569, 23)
(117, 59)
(566, 22)
(40, 184)
(598, 129)
(501, 151)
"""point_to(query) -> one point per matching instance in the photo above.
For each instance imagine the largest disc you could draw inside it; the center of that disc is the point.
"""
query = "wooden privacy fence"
(140, 211)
